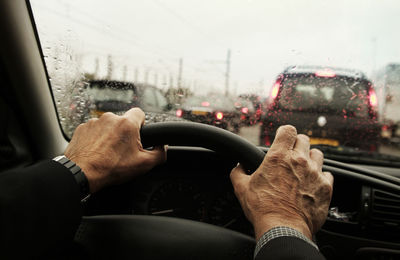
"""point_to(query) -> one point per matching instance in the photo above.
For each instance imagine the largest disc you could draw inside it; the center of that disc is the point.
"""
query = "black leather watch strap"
(79, 176)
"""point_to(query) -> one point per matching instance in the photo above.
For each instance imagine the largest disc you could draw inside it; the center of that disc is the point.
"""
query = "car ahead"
(118, 97)
(388, 83)
(257, 104)
(216, 110)
(334, 107)
(247, 112)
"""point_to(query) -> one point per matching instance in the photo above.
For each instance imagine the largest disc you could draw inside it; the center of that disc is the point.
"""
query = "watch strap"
(78, 174)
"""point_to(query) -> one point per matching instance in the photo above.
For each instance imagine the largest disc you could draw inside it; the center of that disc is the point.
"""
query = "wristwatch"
(79, 175)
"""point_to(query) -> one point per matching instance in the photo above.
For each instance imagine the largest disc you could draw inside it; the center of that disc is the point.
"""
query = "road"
(252, 133)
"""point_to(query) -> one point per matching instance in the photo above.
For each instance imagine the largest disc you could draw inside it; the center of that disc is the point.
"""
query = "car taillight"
(267, 141)
(219, 115)
(275, 89)
(325, 73)
(245, 110)
(179, 113)
(373, 100)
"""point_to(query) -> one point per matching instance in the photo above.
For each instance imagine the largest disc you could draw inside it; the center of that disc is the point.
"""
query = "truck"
(387, 84)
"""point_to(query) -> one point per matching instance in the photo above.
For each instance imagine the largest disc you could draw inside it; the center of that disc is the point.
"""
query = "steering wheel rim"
(156, 237)
(206, 136)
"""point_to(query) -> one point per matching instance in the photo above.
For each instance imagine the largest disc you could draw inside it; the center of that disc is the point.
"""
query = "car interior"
(187, 205)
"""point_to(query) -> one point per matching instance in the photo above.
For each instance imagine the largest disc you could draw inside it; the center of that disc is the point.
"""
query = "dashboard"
(194, 184)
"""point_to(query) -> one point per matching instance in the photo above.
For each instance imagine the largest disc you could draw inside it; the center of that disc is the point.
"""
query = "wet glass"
(217, 62)
(333, 95)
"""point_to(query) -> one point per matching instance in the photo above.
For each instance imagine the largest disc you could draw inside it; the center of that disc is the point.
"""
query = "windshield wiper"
(348, 154)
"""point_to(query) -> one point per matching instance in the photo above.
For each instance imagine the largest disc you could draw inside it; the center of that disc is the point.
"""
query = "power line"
(185, 21)
(100, 29)
(124, 38)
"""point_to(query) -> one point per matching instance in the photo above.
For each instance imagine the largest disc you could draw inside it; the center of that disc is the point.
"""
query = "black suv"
(334, 107)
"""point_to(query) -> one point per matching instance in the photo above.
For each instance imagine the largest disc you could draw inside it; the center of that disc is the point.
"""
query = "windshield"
(331, 69)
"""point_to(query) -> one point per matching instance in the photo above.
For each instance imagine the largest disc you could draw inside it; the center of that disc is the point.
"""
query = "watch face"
(61, 159)
(57, 158)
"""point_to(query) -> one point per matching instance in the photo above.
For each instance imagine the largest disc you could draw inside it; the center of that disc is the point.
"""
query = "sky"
(149, 37)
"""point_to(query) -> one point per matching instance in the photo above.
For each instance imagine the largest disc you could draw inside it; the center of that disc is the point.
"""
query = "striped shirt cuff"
(280, 232)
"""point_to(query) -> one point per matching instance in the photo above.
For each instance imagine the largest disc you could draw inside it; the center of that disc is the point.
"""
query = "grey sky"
(264, 36)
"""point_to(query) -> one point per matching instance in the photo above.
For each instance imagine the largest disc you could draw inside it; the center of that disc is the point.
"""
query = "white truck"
(387, 85)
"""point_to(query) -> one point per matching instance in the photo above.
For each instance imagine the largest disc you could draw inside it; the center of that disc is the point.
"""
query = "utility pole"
(374, 49)
(228, 65)
(96, 67)
(109, 67)
(171, 81)
(124, 72)
(136, 75)
(180, 73)
(155, 79)
(164, 81)
(146, 76)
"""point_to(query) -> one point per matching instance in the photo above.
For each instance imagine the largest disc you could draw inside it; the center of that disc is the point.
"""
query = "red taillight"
(245, 110)
(179, 113)
(373, 100)
(275, 90)
(205, 104)
(219, 115)
(326, 73)
(267, 141)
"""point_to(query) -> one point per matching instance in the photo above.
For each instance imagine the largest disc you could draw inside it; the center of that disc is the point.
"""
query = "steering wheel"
(155, 237)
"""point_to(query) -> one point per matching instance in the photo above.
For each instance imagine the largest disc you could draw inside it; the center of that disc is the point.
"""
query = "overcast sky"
(264, 37)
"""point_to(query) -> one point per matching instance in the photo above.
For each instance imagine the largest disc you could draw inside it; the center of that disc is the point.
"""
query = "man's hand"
(109, 149)
(288, 189)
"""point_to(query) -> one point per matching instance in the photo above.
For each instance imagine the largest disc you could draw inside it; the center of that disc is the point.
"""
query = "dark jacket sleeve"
(40, 210)
(288, 248)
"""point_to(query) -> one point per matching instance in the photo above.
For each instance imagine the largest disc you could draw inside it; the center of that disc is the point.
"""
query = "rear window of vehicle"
(339, 95)
(105, 94)
(245, 103)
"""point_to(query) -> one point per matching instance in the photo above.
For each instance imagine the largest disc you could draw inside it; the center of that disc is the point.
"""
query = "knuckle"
(79, 127)
(274, 157)
(329, 178)
(91, 121)
(327, 189)
(107, 115)
(125, 125)
(299, 160)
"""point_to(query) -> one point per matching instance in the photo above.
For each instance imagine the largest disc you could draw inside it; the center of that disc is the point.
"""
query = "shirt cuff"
(280, 232)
